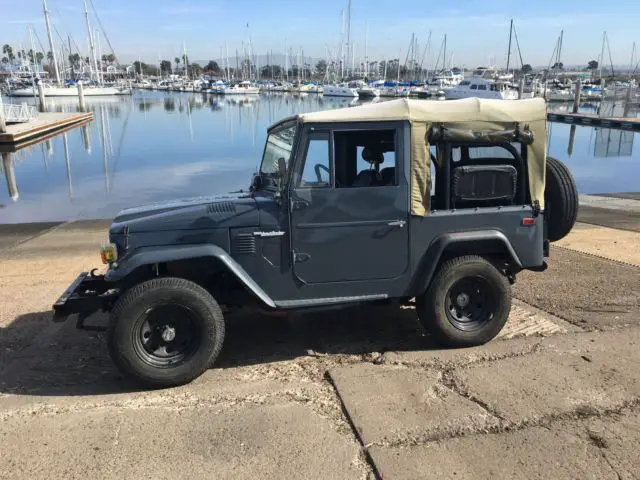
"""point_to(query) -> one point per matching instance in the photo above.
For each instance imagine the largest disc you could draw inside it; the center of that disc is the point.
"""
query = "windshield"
(279, 145)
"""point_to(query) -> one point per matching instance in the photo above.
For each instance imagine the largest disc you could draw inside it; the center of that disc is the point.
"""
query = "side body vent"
(220, 207)
(244, 244)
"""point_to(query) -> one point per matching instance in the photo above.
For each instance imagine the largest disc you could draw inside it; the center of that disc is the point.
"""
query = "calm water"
(156, 146)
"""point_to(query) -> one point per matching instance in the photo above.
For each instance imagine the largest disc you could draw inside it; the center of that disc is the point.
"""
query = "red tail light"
(527, 222)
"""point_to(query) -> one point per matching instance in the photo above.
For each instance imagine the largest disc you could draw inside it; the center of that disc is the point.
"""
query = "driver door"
(342, 234)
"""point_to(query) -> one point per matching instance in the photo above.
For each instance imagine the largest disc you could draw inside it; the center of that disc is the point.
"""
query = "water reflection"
(155, 146)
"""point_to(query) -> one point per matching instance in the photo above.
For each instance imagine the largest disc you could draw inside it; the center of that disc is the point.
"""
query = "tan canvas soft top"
(477, 117)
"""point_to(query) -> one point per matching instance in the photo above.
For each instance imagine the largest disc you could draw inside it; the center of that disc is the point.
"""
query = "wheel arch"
(151, 256)
(491, 244)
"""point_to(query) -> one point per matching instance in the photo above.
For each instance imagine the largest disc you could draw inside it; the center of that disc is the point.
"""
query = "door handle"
(397, 223)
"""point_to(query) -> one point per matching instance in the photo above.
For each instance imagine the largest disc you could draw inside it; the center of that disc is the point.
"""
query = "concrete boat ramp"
(356, 395)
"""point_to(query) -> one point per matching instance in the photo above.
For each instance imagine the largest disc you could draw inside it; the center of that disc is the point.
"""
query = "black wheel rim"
(166, 335)
(471, 303)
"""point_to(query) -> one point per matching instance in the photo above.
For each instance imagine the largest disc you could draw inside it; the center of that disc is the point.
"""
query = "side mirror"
(256, 183)
(282, 168)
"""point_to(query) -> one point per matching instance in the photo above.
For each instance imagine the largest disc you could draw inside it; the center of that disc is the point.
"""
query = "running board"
(316, 302)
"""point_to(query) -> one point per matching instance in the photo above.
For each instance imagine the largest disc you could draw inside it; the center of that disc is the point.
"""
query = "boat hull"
(333, 91)
(66, 92)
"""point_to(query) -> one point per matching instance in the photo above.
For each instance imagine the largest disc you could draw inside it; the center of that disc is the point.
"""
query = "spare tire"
(560, 200)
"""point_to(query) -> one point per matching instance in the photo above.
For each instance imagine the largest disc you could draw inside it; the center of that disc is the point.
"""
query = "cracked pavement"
(360, 394)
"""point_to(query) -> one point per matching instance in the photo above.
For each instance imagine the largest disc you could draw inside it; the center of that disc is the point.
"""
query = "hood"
(221, 211)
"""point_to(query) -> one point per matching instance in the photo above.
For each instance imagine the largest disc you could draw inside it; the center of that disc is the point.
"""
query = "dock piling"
(10, 175)
(41, 96)
(576, 102)
(3, 122)
(81, 96)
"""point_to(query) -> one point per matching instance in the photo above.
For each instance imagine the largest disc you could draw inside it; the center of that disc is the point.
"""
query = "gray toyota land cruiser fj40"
(441, 202)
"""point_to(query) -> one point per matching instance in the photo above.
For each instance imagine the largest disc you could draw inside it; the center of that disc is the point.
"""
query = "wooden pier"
(592, 120)
(41, 126)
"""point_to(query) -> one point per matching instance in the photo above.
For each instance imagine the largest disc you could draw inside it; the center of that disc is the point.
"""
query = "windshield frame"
(272, 181)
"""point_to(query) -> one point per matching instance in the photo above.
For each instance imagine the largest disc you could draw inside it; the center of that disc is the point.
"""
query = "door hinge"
(299, 257)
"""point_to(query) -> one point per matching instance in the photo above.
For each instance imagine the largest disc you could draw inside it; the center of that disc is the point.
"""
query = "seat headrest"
(374, 157)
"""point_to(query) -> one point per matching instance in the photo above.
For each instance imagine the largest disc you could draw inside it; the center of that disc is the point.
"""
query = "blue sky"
(477, 30)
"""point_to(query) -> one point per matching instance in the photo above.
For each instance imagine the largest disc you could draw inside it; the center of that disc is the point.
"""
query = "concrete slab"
(587, 291)
(619, 442)
(618, 219)
(276, 441)
(387, 404)
(628, 195)
(618, 245)
(455, 357)
(534, 453)
(612, 203)
(548, 384)
(13, 234)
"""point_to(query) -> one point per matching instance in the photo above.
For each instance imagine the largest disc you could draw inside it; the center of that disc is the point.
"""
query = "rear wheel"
(560, 200)
(165, 332)
(467, 303)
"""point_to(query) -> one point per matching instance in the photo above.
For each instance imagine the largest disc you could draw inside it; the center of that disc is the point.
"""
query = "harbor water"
(154, 146)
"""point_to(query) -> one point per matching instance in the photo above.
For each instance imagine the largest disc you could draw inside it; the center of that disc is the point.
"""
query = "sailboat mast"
(226, 49)
(366, 59)
(99, 50)
(186, 59)
(349, 46)
(509, 50)
(444, 56)
(604, 36)
(92, 47)
(51, 46)
(560, 45)
(342, 45)
(33, 53)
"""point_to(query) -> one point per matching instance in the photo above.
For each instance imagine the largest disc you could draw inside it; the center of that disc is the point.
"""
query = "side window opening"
(316, 172)
(479, 176)
(365, 158)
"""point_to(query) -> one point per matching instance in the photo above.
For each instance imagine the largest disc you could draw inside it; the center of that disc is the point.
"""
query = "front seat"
(370, 177)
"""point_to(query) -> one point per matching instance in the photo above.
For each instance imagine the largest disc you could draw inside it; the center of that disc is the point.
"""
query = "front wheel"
(467, 303)
(165, 332)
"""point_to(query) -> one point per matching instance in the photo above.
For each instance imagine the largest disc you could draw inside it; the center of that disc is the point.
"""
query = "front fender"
(474, 242)
(154, 255)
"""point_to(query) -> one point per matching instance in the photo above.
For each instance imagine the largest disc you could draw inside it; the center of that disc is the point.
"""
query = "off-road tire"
(208, 323)
(433, 306)
(560, 200)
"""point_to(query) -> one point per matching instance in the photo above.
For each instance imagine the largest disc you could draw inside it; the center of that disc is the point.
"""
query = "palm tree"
(177, 60)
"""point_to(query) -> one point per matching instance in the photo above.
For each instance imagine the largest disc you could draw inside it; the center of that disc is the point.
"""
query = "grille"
(244, 244)
(220, 207)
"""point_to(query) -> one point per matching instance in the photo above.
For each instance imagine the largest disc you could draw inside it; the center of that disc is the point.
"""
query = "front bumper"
(88, 294)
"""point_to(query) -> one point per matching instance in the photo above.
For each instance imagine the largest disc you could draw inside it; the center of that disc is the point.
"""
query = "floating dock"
(592, 120)
(44, 124)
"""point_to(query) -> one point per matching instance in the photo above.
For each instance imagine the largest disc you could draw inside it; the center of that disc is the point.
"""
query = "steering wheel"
(319, 167)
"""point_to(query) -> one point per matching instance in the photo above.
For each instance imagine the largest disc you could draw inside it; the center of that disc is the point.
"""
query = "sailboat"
(71, 90)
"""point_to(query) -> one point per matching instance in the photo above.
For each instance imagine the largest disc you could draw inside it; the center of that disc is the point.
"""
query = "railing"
(19, 113)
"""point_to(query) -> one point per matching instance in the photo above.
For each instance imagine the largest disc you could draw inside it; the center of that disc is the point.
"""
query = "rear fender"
(482, 242)
(157, 255)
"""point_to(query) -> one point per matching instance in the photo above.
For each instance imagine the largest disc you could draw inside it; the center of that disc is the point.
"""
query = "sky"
(477, 31)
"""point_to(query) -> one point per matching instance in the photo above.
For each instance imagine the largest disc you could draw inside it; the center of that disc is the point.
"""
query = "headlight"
(109, 253)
